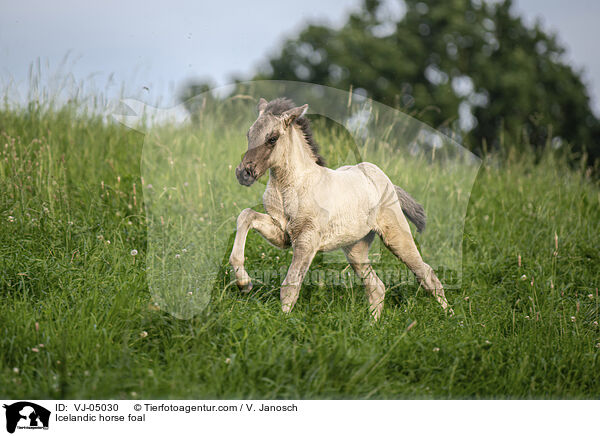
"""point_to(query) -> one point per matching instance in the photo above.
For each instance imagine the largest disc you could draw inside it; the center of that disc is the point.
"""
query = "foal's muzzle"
(244, 175)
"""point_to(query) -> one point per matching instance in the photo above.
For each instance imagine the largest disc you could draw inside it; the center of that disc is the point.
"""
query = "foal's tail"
(413, 210)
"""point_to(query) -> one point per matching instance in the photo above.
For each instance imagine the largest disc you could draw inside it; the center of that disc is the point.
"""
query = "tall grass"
(78, 319)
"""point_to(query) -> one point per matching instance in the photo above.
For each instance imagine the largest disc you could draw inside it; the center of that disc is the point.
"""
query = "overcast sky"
(158, 44)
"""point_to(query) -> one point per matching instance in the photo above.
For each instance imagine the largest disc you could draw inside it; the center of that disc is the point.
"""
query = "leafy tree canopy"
(466, 65)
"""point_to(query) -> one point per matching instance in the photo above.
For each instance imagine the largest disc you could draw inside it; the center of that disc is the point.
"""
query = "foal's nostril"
(244, 175)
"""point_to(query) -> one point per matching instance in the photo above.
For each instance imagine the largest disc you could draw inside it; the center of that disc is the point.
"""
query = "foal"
(313, 208)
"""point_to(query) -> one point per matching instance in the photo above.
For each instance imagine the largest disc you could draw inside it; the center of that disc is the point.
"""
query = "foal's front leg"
(268, 228)
(304, 253)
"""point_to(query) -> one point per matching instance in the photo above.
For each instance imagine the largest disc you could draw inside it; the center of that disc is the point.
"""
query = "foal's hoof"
(245, 288)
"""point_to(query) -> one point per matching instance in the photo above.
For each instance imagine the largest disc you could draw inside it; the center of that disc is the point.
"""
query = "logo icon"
(26, 415)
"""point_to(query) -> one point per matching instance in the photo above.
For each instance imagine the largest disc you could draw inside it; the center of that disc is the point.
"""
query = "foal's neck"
(297, 163)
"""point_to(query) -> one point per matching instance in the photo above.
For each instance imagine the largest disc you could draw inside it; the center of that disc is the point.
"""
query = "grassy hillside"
(78, 319)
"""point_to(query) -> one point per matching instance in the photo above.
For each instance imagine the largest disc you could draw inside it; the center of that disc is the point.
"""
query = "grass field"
(78, 318)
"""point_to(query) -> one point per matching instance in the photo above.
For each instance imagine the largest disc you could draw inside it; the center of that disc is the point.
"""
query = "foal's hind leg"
(268, 229)
(358, 257)
(396, 235)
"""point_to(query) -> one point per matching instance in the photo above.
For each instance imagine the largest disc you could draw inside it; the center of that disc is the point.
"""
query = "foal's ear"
(262, 104)
(290, 115)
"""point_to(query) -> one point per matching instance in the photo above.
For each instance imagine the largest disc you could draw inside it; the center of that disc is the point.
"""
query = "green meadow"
(84, 265)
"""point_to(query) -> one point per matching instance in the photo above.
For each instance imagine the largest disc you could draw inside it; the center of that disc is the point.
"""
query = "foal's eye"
(273, 140)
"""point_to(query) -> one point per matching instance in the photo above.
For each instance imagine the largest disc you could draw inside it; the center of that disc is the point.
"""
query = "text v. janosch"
(270, 408)
(273, 408)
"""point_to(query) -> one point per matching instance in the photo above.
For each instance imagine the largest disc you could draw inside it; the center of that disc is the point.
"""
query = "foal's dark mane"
(279, 106)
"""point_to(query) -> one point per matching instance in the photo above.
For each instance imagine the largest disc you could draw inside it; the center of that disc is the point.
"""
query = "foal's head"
(266, 137)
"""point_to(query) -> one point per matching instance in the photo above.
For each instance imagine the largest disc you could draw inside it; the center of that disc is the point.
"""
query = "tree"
(189, 95)
(465, 65)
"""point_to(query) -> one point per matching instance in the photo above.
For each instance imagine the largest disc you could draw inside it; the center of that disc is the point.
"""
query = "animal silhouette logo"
(26, 415)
